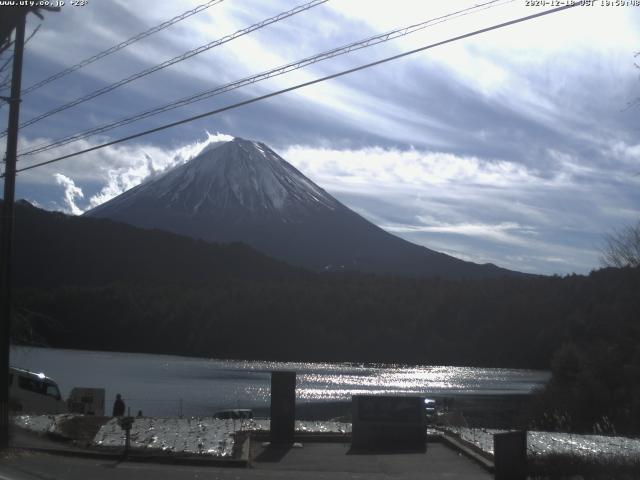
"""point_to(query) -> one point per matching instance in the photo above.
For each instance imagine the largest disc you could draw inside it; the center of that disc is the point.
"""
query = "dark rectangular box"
(385, 422)
(510, 455)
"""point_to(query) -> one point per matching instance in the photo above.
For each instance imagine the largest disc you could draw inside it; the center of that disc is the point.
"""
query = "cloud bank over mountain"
(515, 147)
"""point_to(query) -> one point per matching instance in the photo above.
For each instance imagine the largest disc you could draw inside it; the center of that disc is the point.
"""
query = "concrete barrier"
(385, 422)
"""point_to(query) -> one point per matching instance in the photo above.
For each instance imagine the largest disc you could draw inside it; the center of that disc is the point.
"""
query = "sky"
(519, 146)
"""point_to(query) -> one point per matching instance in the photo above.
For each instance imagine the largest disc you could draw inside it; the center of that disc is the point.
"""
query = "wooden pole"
(6, 240)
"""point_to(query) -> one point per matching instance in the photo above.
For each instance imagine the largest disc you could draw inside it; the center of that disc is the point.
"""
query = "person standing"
(118, 406)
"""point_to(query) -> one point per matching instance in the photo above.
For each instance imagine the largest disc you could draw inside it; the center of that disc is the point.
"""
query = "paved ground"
(438, 461)
(313, 461)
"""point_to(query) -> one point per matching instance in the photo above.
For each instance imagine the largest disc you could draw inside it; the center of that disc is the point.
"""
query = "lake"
(167, 385)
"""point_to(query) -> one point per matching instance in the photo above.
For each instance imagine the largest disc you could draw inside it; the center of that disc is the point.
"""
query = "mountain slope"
(52, 249)
(243, 191)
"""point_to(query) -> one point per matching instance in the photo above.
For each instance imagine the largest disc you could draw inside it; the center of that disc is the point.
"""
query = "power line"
(371, 41)
(264, 75)
(3, 83)
(6, 81)
(179, 58)
(301, 85)
(6, 64)
(4, 46)
(121, 45)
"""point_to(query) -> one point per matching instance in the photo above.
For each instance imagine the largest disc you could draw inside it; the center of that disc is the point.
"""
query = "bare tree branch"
(622, 247)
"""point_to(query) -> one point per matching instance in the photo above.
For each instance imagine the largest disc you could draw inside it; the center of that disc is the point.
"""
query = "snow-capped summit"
(241, 190)
(239, 177)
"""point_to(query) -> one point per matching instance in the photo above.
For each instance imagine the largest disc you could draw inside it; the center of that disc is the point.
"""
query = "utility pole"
(13, 18)
(6, 241)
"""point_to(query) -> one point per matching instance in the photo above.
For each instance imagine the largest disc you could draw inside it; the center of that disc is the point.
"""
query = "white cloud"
(115, 168)
(71, 193)
(475, 208)
(535, 107)
(356, 170)
(122, 179)
(504, 232)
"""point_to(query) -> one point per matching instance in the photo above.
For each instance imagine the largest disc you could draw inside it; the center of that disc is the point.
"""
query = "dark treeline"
(95, 284)
(510, 323)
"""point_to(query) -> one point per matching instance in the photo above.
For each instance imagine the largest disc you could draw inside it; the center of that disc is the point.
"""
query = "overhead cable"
(167, 63)
(301, 85)
(6, 82)
(368, 42)
(120, 46)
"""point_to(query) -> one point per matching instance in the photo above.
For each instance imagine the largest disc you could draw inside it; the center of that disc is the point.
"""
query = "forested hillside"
(94, 284)
(347, 317)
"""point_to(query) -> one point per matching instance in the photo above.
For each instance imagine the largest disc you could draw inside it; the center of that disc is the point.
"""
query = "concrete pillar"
(283, 407)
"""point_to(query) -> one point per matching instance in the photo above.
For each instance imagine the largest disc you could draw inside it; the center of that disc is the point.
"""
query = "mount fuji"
(241, 190)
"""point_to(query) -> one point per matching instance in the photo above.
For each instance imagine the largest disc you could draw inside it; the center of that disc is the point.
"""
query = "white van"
(31, 392)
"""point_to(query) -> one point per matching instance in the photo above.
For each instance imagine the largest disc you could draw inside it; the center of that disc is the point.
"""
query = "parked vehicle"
(430, 409)
(31, 392)
(237, 414)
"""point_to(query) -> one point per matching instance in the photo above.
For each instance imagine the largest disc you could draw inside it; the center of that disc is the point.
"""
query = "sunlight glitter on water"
(165, 385)
(417, 380)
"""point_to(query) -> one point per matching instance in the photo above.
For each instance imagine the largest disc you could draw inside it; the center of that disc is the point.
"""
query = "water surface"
(166, 385)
